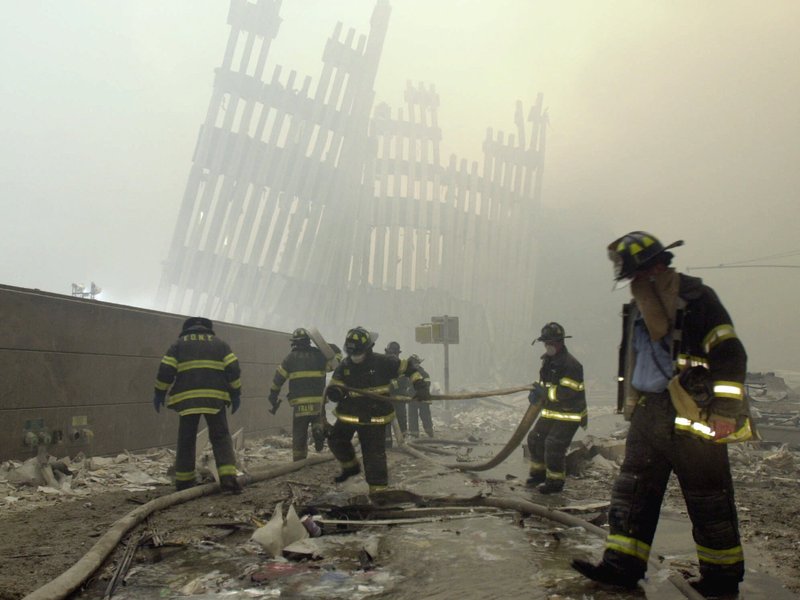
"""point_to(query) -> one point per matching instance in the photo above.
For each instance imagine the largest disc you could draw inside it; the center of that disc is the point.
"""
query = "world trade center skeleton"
(311, 205)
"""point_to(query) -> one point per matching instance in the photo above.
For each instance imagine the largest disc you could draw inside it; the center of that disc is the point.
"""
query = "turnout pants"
(402, 421)
(653, 450)
(420, 411)
(301, 421)
(221, 444)
(373, 451)
(548, 442)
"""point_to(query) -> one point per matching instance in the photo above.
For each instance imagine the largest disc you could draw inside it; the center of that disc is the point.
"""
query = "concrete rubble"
(23, 485)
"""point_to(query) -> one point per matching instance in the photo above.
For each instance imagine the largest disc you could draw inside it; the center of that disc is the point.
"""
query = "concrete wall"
(82, 371)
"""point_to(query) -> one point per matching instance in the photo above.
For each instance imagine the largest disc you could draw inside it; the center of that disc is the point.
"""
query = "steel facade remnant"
(318, 206)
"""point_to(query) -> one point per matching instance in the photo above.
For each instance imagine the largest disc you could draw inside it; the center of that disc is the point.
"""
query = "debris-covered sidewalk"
(44, 530)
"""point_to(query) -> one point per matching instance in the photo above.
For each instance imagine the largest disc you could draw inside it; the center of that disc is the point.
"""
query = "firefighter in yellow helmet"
(682, 387)
(364, 369)
(561, 393)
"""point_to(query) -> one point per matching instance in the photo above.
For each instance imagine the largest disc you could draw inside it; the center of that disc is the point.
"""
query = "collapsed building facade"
(311, 205)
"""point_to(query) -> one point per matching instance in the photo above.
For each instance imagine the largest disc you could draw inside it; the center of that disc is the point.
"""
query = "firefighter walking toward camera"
(200, 375)
(561, 393)
(305, 367)
(364, 369)
(678, 340)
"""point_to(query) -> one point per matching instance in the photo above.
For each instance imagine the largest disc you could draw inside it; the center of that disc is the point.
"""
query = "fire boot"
(716, 587)
(183, 485)
(551, 486)
(605, 574)
(347, 474)
(535, 479)
(229, 484)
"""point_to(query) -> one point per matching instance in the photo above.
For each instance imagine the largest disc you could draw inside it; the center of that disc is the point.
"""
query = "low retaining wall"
(78, 374)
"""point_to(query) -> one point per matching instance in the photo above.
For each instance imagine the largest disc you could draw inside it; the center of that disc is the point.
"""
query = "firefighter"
(199, 375)
(401, 386)
(305, 367)
(362, 368)
(418, 411)
(561, 394)
(675, 326)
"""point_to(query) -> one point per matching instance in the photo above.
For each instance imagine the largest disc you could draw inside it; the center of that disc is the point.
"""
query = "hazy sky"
(680, 117)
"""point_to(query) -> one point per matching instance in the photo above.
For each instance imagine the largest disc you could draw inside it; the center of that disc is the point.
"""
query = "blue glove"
(236, 400)
(537, 394)
(158, 401)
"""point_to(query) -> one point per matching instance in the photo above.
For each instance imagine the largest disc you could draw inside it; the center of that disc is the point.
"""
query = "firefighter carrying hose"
(364, 369)
(683, 370)
(201, 375)
(305, 367)
(561, 393)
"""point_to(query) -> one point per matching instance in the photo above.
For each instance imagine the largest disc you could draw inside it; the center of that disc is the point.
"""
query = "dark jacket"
(562, 376)
(305, 368)
(704, 336)
(375, 375)
(200, 372)
(709, 339)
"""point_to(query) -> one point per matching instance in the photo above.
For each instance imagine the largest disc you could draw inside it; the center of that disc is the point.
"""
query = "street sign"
(441, 330)
(445, 329)
(423, 334)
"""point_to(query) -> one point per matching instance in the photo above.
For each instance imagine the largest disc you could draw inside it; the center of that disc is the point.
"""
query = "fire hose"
(522, 429)
(71, 579)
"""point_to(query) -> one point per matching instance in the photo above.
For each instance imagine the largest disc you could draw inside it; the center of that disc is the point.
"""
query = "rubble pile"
(23, 485)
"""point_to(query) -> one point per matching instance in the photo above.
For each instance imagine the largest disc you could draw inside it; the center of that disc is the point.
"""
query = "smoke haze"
(679, 118)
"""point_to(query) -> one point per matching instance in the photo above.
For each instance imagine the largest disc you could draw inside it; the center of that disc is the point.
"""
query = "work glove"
(274, 402)
(423, 390)
(158, 401)
(236, 400)
(722, 426)
(334, 393)
(537, 394)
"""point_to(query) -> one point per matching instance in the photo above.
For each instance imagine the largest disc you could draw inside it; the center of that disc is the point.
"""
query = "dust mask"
(657, 299)
(550, 350)
(357, 358)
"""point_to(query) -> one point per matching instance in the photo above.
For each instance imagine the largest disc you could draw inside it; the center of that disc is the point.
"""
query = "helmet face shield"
(617, 261)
